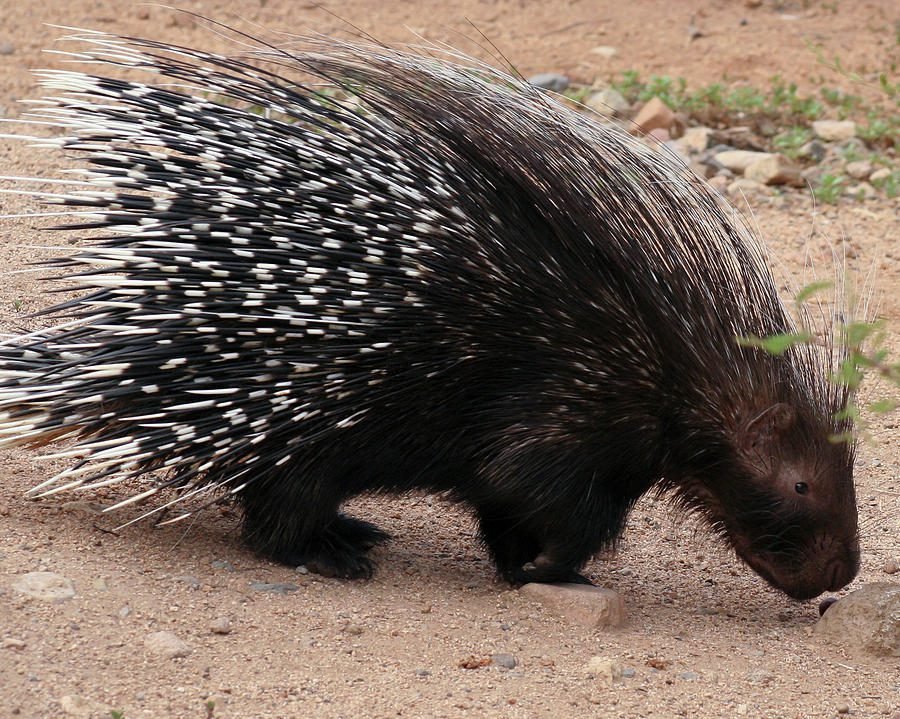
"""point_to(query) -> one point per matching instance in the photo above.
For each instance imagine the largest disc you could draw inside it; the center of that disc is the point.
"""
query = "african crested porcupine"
(458, 285)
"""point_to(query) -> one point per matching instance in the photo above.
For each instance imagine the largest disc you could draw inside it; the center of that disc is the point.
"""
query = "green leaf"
(776, 344)
(811, 289)
(857, 332)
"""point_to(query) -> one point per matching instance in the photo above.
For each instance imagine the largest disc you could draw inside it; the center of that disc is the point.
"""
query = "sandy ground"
(705, 637)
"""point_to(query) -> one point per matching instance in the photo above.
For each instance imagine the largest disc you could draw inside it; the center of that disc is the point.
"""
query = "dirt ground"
(705, 637)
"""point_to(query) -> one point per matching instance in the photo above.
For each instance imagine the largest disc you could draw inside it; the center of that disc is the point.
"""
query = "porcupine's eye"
(801, 487)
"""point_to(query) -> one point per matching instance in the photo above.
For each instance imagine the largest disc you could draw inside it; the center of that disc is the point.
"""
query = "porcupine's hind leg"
(298, 523)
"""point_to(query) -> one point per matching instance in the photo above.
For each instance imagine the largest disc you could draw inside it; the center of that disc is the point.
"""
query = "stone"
(166, 644)
(695, 140)
(605, 669)
(814, 150)
(742, 187)
(859, 170)
(220, 625)
(867, 620)
(46, 586)
(549, 81)
(504, 661)
(605, 51)
(834, 130)
(608, 102)
(719, 183)
(739, 160)
(861, 191)
(774, 170)
(655, 114)
(880, 175)
(584, 604)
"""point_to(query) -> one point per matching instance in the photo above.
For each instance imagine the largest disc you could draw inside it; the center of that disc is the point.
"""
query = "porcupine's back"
(422, 292)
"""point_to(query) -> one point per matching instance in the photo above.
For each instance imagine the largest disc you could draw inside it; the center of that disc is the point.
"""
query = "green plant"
(889, 185)
(879, 130)
(630, 85)
(579, 93)
(830, 189)
(862, 344)
(791, 140)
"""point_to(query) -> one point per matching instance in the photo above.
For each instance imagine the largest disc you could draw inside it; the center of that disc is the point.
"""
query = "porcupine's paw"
(340, 550)
(545, 571)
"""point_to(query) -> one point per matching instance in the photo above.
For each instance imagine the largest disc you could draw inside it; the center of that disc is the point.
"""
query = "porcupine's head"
(780, 487)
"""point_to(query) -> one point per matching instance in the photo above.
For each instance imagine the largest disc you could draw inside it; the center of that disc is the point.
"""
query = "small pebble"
(192, 582)
(504, 661)
(843, 709)
(891, 567)
(220, 625)
(167, 644)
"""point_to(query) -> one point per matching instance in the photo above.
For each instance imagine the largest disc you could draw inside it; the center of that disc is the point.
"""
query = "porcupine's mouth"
(804, 578)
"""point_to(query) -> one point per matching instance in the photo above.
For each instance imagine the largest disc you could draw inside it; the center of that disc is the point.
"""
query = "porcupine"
(461, 286)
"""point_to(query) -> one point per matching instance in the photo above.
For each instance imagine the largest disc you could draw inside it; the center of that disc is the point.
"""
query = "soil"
(705, 637)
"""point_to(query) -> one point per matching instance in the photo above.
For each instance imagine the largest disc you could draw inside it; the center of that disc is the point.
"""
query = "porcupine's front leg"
(521, 558)
(528, 548)
(545, 511)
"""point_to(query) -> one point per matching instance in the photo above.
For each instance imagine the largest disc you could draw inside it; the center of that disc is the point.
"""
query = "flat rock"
(46, 586)
(739, 160)
(74, 705)
(584, 604)
(774, 170)
(834, 130)
(866, 620)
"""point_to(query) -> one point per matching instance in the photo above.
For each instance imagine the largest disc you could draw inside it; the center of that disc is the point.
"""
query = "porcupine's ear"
(759, 437)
